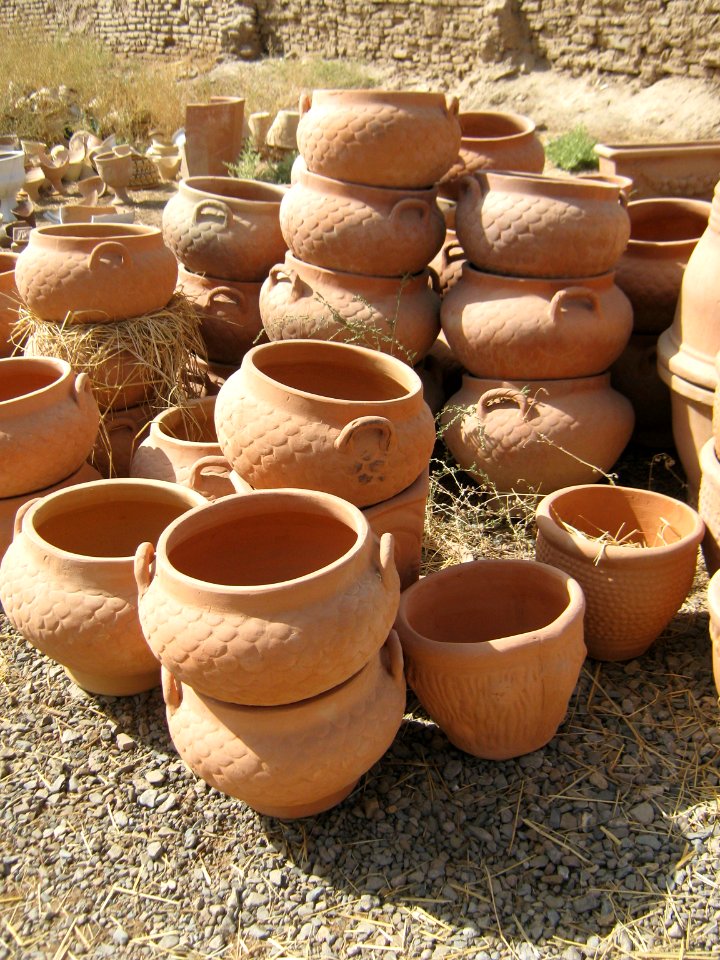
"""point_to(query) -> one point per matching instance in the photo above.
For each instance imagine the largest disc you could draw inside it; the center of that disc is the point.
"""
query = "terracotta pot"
(686, 169)
(115, 171)
(396, 316)
(635, 375)
(294, 760)
(268, 598)
(663, 234)
(535, 226)
(448, 262)
(325, 416)
(9, 301)
(82, 213)
(632, 589)
(500, 326)
(48, 423)
(625, 184)
(213, 135)
(537, 435)
(494, 674)
(225, 228)
(95, 271)
(709, 506)
(122, 431)
(375, 231)
(67, 583)
(714, 607)
(383, 138)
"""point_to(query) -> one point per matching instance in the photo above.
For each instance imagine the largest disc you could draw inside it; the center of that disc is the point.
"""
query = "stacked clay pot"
(709, 494)
(536, 320)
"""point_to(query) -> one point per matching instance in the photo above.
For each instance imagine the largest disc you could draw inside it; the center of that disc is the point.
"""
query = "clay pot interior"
(237, 189)
(491, 126)
(29, 376)
(653, 222)
(194, 425)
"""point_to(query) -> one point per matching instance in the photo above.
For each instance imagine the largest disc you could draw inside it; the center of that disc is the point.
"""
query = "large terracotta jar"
(533, 226)
(503, 326)
(396, 316)
(9, 301)
(632, 551)
(48, 423)
(536, 435)
(67, 583)
(383, 138)
(495, 675)
(379, 231)
(267, 598)
(224, 227)
(714, 607)
(95, 272)
(325, 416)
(298, 759)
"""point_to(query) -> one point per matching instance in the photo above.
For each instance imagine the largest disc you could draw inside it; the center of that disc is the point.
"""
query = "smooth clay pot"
(500, 326)
(537, 435)
(714, 607)
(325, 416)
(495, 675)
(267, 598)
(294, 760)
(67, 582)
(9, 301)
(632, 588)
(709, 506)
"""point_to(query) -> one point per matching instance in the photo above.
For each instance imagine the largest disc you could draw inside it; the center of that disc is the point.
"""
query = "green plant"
(252, 165)
(573, 150)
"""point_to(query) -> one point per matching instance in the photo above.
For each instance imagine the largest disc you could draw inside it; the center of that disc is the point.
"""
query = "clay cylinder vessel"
(325, 416)
(298, 759)
(9, 301)
(714, 607)
(396, 316)
(383, 138)
(380, 231)
(67, 581)
(501, 326)
(537, 435)
(268, 598)
(533, 226)
(95, 271)
(632, 551)
(709, 506)
(48, 423)
(494, 674)
(225, 228)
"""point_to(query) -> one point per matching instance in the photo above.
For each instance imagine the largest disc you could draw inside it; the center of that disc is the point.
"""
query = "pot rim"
(670, 205)
(8, 256)
(267, 199)
(62, 368)
(561, 189)
(392, 283)
(498, 279)
(526, 126)
(375, 95)
(360, 191)
(157, 425)
(88, 235)
(210, 283)
(546, 384)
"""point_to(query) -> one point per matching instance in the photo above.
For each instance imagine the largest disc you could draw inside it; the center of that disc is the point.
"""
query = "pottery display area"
(228, 432)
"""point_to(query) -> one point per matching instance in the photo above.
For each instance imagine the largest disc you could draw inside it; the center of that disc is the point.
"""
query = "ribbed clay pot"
(512, 327)
(537, 435)
(709, 505)
(632, 588)
(294, 760)
(448, 262)
(95, 271)
(48, 423)
(267, 598)
(376, 231)
(714, 608)
(224, 227)
(67, 583)
(383, 138)
(396, 316)
(9, 301)
(494, 674)
(325, 416)
(533, 226)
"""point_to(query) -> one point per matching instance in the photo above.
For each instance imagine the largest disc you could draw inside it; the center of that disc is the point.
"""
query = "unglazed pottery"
(714, 607)
(82, 213)
(67, 584)
(533, 226)
(495, 674)
(122, 431)
(48, 423)
(709, 505)
(325, 416)
(396, 316)
(267, 598)
(224, 227)
(635, 375)
(537, 435)
(632, 551)
(9, 301)
(382, 138)
(115, 169)
(213, 135)
(12, 177)
(687, 169)
(294, 760)
(95, 272)
(448, 262)
(512, 327)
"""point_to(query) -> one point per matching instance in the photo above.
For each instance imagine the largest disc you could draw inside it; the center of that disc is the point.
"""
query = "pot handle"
(411, 205)
(236, 296)
(452, 253)
(217, 206)
(470, 186)
(20, 513)
(143, 567)
(385, 559)
(392, 655)
(503, 393)
(453, 106)
(109, 250)
(382, 425)
(172, 690)
(434, 279)
(305, 103)
(574, 293)
(82, 388)
(280, 273)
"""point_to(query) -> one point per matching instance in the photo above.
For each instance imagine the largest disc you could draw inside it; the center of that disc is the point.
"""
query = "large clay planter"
(95, 271)
(635, 375)
(494, 674)
(9, 301)
(383, 138)
(533, 226)
(709, 506)
(67, 584)
(48, 423)
(294, 760)
(325, 416)
(632, 589)
(537, 435)
(714, 607)
(225, 228)
(375, 231)
(511, 327)
(396, 316)
(686, 169)
(267, 598)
